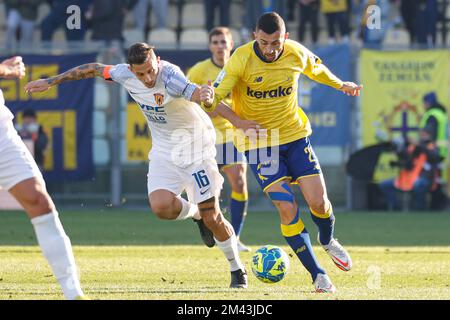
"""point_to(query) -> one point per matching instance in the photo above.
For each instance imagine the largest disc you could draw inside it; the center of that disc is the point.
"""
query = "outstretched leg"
(292, 227)
(315, 194)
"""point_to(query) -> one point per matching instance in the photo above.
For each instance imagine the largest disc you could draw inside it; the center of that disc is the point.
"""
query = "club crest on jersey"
(159, 98)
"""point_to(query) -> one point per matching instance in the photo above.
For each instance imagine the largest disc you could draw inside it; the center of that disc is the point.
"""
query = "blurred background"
(92, 142)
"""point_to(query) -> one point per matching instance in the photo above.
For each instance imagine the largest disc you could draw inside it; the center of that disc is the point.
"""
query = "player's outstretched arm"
(84, 71)
(351, 89)
(318, 72)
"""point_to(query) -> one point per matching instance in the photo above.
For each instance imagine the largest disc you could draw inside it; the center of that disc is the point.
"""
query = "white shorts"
(201, 181)
(16, 162)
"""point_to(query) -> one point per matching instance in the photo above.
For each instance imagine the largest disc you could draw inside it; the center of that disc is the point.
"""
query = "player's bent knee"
(286, 207)
(163, 209)
(210, 214)
(163, 204)
(319, 205)
(240, 185)
(37, 203)
(33, 196)
(212, 219)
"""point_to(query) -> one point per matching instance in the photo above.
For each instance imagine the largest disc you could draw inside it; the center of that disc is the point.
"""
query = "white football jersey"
(5, 114)
(181, 131)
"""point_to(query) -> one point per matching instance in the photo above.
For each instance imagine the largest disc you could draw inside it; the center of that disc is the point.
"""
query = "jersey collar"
(261, 57)
(212, 61)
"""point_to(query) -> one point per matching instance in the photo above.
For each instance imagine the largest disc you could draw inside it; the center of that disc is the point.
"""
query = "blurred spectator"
(254, 9)
(408, 13)
(336, 13)
(106, 19)
(426, 18)
(309, 13)
(290, 10)
(435, 121)
(418, 171)
(372, 35)
(278, 6)
(210, 12)
(22, 15)
(140, 13)
(58, 18)
(29, 129)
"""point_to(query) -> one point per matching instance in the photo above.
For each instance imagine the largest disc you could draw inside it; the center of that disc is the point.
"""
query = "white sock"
(230, 249)
(188, 210)
(56, 247)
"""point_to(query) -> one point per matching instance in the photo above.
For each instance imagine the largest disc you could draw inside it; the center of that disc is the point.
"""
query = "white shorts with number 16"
(201, 180)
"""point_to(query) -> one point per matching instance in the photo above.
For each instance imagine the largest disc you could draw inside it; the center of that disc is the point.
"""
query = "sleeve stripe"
(106, 73)
(189, 91)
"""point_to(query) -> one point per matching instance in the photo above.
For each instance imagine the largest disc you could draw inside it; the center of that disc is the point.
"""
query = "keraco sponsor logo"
(274, 93)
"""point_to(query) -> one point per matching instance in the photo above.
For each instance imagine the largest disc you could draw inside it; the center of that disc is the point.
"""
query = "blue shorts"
(291, 161)
(227, 155)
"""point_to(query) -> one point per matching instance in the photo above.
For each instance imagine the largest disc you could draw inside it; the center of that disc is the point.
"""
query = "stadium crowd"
(421, 23)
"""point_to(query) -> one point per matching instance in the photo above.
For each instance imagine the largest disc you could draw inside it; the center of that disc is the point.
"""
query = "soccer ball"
(270, 264)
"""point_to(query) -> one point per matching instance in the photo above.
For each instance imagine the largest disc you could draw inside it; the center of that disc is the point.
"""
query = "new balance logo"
(301, 249)
(274, 93)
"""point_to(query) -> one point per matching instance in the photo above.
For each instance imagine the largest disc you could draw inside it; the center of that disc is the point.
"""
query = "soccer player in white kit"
(20, 175)
(183, 144)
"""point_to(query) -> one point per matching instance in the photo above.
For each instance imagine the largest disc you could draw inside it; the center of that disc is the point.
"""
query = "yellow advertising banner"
(138, 137)
(391, 104)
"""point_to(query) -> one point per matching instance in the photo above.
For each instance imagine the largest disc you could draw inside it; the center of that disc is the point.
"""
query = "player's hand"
(207, 94)
(251, 129)
(351, 89)
(37, 86)
(15, 69)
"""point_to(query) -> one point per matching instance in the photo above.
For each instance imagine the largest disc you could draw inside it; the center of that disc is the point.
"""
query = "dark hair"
(219, 31)
(270, 22)
(138, 53)
(30, 113)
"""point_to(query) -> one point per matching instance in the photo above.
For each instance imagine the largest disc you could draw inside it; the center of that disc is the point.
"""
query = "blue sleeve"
(176, 83)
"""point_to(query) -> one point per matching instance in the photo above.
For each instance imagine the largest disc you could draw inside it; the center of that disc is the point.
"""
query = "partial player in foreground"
(20, 175)
(263, 77)
(230, 161)
(183, 150)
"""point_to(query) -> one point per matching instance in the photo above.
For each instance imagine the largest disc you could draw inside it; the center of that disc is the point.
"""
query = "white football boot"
(338, 254)
(323, 284)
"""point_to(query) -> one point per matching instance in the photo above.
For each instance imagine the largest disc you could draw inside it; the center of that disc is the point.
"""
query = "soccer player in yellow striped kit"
(262, 76)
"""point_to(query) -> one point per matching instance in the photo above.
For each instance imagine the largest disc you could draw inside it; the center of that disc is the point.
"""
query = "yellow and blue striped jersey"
(200, 73)
(266, 92)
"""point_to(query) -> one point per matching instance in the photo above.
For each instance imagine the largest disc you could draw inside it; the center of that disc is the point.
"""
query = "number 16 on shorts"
(202, 181)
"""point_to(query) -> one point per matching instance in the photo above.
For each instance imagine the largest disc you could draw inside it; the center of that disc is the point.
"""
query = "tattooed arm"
(85, 71)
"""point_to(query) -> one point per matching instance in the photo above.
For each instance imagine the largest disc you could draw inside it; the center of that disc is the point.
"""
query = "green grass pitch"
(125, 254)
